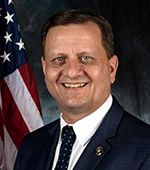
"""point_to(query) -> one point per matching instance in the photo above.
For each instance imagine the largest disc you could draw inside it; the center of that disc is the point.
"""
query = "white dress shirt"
(84, 130)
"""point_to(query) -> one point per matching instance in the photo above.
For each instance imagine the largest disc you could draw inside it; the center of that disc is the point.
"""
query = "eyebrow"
(65, 54)
(83, 53)
(55, 53)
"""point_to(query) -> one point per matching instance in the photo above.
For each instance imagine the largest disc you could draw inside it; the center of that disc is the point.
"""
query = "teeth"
(74, 85)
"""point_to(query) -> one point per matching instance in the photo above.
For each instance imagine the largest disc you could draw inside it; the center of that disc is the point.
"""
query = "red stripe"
(29, 81)
(12, 118)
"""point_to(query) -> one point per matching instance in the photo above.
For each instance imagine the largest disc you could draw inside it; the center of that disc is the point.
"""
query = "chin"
(75, 108)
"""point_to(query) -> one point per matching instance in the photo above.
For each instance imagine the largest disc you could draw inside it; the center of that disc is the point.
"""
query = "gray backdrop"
(131, 25)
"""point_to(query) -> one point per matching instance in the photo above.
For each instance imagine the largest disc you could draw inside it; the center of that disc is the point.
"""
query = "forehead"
(88, 30)
(76, 38)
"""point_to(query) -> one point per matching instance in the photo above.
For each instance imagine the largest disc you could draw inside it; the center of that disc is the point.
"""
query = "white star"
(7, 37)
(9, 18)
(20, 44)
(10, 1)
(5, 56)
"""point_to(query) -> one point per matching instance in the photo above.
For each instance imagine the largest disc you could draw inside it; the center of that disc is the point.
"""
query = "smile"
(75, 85)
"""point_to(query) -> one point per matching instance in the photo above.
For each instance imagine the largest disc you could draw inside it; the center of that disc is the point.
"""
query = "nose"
(72, 69)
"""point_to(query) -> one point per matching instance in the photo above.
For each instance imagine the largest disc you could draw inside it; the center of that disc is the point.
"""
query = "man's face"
(77, 72)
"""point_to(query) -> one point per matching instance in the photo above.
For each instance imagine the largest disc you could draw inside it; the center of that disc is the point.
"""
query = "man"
(79, 67)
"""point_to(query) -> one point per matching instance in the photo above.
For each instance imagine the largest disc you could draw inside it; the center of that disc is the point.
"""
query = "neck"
(71, 116)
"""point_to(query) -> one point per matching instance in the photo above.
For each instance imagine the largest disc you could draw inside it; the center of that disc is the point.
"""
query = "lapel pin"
(99, 151)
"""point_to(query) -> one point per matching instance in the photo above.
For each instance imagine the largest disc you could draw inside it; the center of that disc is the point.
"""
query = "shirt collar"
(86, 127)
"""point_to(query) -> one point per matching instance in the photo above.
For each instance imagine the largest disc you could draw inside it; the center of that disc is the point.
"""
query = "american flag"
(20, 111)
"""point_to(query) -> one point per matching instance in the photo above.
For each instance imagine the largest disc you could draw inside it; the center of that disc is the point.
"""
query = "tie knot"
(68, 132)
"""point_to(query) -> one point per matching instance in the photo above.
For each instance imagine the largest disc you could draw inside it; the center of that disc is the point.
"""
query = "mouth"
(74, 85)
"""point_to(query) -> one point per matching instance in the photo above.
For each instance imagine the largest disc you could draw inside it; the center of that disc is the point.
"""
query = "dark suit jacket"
(125, 141)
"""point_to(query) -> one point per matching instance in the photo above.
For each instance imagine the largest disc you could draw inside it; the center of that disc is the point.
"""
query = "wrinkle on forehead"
(73, 31)
(77, 38)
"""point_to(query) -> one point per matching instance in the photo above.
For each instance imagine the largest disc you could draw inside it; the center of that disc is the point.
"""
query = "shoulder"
(37, 145)
(41, 133)
(136, 126)
(130, 126)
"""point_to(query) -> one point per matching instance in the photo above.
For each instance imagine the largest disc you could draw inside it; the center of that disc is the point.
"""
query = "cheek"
(50, 80)
(51, 75)
(96, 74)
(101, 77)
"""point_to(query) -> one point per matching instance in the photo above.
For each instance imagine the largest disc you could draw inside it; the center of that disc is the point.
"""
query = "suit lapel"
(49, 145)
(99, 146)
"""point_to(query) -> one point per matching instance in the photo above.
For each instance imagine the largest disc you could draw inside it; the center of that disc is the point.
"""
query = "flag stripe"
(2, 159)
(1, 128)
(1, 120)
(20, 111)
(12, 118)
(11, 149)
(28, 79)
(24, 101)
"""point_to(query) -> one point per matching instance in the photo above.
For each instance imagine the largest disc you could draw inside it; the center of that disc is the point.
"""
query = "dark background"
(130, 20)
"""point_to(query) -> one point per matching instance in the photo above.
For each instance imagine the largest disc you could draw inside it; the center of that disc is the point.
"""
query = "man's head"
(79, 69)
(81, 17)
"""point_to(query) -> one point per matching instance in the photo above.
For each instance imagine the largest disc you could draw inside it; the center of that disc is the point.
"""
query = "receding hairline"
(78, 17)
(75, 24)
(78, 24)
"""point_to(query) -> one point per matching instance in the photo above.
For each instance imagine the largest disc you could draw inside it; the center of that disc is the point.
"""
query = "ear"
(113, 63)
(43, 65)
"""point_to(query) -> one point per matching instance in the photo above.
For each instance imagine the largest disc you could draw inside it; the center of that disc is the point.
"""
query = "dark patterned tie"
(68, 139)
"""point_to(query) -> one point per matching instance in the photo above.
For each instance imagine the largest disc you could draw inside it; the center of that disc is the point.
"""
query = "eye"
(58, 60)
(84, 58)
